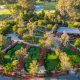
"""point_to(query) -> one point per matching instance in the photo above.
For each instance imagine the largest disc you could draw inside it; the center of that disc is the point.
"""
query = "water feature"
(38, 8)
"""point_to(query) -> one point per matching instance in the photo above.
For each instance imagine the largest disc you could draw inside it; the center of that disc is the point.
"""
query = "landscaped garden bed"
(74, 57)
(76, 43)
(35, 49)
(14, 48)
(52, 62)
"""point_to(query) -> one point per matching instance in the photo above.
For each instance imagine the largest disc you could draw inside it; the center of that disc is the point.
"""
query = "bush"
(75, 59)
(20, 31)
(71, 25)
(41, 15)
(6, 27)
(55, 27)
(77, 24)
(77, 42)
(26, 38)
(49, 26)
(40, 22)
(7, 59)
(27, 16)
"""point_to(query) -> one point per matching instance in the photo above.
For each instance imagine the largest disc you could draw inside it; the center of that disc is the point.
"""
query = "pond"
(38, 8)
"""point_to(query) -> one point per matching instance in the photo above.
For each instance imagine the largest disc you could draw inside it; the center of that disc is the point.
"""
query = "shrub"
(40, 22)
(76, 24)
(49, 26)
(71, 25)
(41, 15)
(15, 28)
(55, 27)
(6, 27)
(77, 42)
(26, 37)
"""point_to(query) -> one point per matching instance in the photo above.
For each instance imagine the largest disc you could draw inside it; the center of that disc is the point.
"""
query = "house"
(73, 32)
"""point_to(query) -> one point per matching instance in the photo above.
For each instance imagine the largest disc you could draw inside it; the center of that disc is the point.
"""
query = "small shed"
(42, 70)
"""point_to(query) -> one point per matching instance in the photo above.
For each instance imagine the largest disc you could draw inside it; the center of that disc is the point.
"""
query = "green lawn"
(51, 56)
(47, 5)
(4, 14)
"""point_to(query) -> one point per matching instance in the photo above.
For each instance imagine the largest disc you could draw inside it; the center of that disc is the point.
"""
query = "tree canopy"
(69, 8)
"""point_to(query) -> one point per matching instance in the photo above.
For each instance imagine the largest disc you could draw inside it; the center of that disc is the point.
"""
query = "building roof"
(68, 30)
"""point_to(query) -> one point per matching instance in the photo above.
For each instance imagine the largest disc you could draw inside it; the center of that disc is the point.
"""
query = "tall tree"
(64, 38)
(27, 4)
(33, 68)
(65, 62)
(70, 8)
(21, 6)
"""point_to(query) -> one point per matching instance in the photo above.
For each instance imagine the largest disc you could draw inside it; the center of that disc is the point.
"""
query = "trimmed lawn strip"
(4, 11)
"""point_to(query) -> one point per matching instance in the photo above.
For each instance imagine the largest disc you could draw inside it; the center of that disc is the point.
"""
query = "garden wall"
(77, 50)
(10, 45)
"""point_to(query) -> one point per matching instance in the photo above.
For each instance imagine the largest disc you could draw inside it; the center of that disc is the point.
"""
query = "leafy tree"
(69, 8)
(48, 40)
(33, 68)
(21, 54)
(11, 66)
(5, 27)
(7, 67)
(26, 4)
(64, 38)
(20, 31)
(31, 27)
(64, 59)
(55, 27)
(15, 28)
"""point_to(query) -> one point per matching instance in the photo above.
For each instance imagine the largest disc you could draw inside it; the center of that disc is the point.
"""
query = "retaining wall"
(77, 50)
